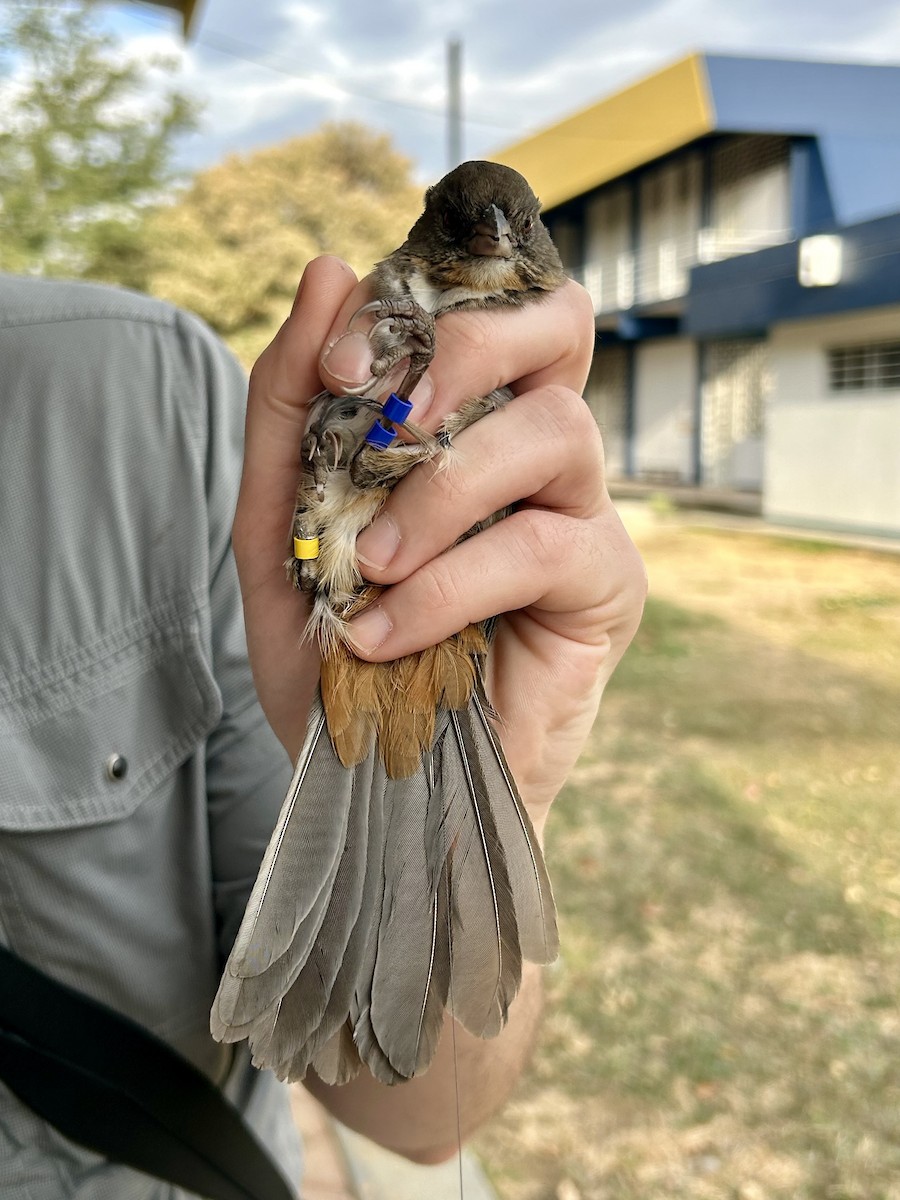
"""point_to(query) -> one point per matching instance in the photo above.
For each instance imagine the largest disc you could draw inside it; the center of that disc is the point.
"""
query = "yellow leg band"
(306, 547)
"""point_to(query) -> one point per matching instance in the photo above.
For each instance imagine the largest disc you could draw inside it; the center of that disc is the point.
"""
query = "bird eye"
(527, 225)
(347, 414)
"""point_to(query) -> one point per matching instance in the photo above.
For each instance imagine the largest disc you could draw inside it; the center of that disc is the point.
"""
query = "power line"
(454, 103)
(260, 57)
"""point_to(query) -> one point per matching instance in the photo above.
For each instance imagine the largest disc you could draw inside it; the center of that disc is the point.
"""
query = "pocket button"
(116, 768)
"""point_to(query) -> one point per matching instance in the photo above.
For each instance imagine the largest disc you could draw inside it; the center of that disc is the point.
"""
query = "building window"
(609, 264)
(750, 196)
(607, 397)
(670, 203)
(867, 368)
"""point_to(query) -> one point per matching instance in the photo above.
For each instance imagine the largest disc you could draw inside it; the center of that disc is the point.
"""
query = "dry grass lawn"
(723, 1023)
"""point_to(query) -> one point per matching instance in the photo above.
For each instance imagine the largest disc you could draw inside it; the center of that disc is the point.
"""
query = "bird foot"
(399, 328)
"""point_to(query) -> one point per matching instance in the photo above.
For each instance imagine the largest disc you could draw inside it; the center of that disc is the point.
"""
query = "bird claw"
(399, 329)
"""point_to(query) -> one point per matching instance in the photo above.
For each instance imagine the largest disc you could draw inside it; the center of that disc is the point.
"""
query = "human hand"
(561, 567)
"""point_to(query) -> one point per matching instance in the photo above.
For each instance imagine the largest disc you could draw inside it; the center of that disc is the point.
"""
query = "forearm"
(468, 1081)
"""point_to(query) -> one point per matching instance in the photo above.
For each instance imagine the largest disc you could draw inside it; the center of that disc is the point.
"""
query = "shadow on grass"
(667, 872)
(698, 674)
(698, 708)
(687, 845)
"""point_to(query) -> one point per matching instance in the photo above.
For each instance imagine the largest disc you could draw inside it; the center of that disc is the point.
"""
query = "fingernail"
(421, 397)
(377, 544)
(370, 629)
(349, 358)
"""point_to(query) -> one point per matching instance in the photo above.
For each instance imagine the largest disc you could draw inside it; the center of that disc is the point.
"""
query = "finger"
(547, 671)
(283, 380)
(545, 561)
(346, 357)
(544, 448)
(548, 341)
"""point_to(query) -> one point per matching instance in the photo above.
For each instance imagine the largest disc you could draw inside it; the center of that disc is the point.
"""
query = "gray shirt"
(121, 638)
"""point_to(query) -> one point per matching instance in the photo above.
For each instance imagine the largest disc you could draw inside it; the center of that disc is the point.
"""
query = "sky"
(272, 69)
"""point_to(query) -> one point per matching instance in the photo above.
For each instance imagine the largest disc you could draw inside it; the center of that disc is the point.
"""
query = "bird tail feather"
(382, 903)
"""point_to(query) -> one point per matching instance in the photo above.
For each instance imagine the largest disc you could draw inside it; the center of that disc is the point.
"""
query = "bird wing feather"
(411, 971)
(295, 878)
(486, 958)
(529, 878)
(318, 1003)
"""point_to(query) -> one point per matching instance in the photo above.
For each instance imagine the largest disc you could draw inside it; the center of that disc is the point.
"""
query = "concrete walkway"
(326, 1175)
(341, 1165)
(639, 514)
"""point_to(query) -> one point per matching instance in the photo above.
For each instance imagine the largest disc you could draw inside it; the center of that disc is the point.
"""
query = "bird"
(403, 879)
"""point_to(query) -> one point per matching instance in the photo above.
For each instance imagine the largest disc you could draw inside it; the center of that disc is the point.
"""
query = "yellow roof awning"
(634, 126)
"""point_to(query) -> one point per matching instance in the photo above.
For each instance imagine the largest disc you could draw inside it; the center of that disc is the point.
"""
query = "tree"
(233, 247)
(79, 159)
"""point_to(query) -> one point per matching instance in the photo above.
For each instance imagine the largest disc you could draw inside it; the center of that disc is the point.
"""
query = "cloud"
(270, 71)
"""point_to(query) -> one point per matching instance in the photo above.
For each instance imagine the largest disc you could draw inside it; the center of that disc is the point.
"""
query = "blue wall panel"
(853, 110)
(747, 294)
(765, 95)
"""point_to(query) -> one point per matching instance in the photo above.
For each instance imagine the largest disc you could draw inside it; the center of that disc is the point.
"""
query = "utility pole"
(454, 103)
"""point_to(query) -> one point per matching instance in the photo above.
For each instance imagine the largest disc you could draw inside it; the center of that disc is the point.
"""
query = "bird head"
(481, 229)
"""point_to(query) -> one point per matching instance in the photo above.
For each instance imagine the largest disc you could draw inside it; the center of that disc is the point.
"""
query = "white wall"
(832, 459)
(665, 386)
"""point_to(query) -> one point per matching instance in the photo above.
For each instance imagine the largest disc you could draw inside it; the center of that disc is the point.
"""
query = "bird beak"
(492, 235)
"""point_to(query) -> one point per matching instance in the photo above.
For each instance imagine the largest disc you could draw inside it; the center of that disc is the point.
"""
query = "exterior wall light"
(820, 260)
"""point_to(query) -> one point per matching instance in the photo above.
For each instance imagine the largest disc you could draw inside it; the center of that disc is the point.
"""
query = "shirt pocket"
(90, 744)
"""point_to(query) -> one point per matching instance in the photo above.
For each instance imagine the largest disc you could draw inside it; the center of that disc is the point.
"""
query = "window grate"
(737, 382)
(750, 200)
(607, 396)
(874, 366)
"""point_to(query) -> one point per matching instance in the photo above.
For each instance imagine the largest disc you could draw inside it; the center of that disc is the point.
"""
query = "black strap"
(111, 1085)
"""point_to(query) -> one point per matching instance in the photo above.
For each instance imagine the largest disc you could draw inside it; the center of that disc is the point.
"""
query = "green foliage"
(82, 151)
(86, 189)
(234, 245)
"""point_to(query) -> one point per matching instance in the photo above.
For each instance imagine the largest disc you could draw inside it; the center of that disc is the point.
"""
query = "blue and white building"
(737, 223)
